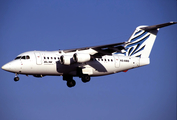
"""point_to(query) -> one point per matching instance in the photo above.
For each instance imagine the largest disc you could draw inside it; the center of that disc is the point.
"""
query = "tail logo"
(137, 43)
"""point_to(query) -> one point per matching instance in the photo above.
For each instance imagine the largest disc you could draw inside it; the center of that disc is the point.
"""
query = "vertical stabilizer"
(141, 42)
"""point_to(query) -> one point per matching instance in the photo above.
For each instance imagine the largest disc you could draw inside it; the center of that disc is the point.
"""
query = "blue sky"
(146, 93)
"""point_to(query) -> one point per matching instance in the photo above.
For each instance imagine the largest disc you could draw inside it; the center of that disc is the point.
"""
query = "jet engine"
(66, 59)
(81, 57)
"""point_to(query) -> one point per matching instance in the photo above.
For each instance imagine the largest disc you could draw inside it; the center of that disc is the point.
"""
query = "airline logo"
(137, 43)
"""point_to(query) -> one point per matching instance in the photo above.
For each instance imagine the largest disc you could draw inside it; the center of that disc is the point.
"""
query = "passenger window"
(44, 57)
(47, 57)
(55, 58)
(51, 57)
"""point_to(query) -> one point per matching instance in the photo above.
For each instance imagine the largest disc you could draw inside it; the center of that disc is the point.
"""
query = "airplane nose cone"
(6, 67)
(12, 66)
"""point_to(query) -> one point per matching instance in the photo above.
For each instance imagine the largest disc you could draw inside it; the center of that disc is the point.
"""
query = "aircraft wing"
(107, 49)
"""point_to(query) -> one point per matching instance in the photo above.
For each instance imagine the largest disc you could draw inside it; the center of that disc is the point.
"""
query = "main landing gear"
(16, 78)
(71, 83)
(85, 78)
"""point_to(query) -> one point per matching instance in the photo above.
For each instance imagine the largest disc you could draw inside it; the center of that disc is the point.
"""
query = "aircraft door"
(38, 58)
(116, 61)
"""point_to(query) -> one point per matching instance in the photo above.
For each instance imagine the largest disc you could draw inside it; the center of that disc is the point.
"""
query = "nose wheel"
(16, 78)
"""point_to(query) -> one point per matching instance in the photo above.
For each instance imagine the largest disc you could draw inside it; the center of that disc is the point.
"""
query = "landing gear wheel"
(71, 83)
(16, 79)
(85, 78)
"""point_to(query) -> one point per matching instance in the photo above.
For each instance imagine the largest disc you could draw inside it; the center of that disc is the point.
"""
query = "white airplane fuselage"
(43, 63)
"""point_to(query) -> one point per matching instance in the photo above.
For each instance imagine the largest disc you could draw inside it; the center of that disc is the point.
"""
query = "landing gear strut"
(16, 78)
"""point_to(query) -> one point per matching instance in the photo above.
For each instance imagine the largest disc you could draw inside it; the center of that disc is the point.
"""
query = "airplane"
(88, 61)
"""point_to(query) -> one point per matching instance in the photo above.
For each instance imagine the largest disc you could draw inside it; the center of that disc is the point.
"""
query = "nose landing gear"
(16, 78)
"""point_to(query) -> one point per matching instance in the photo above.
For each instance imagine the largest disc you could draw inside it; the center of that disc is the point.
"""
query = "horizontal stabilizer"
(149, 28)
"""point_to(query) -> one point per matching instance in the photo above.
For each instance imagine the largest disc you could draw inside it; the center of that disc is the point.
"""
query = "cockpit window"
(22, 57)
(27, 57)
(18, 57)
